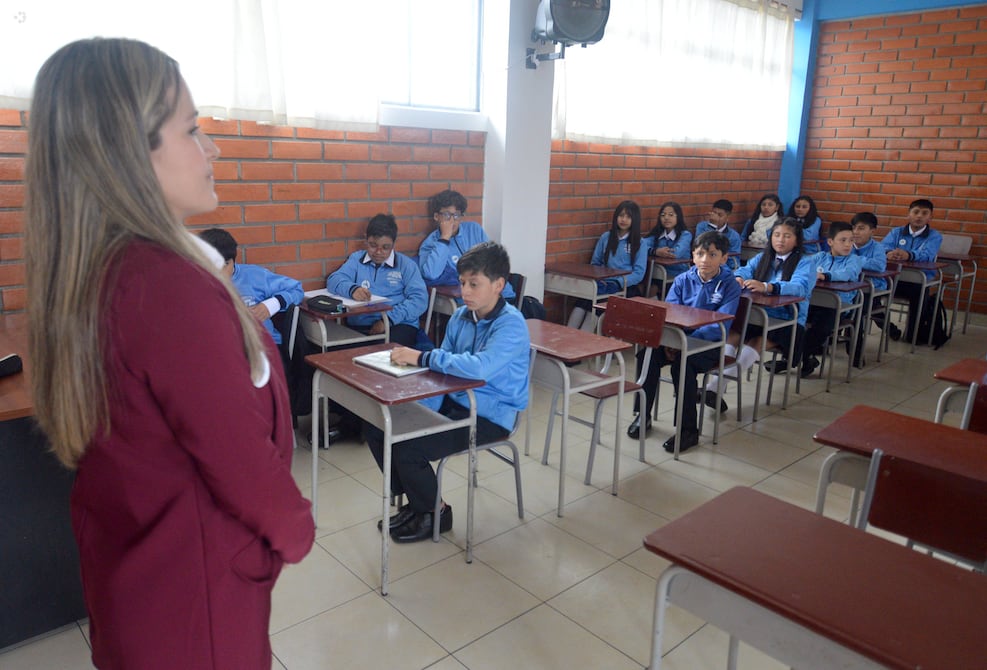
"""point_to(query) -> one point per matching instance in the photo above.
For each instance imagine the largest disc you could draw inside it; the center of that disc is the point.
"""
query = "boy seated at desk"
(709, 284)
(382, 271)
(441, 250)
(915, 242)
(837, 264)
(718, 219)
(266, 293)
(486, 339)
(872, 255)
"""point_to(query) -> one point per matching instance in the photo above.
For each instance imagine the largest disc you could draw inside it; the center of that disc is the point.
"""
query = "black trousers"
(696, 363)
(411, 467)
(818, 326)
(401, 333)
(912, 293)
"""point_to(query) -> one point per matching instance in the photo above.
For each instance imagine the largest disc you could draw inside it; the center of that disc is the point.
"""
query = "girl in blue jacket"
(804, 211)
(671, 239)
(620, 248)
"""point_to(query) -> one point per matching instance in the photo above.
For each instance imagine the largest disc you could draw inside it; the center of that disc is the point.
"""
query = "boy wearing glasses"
(380, 270)
(442, 249)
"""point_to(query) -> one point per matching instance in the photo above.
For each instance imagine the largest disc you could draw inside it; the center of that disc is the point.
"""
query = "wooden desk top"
(863, 429)
(886, 274)
(665, 260)
(446, 290)
(15, 390)
(585, 270)
(747, 244)
(923, 265)
(842, 286)
(686, 318)
(897, 606)
(772, 300)
(955, 257)
(570, 345)
(382, 387)
(965, 372)
(375, 308)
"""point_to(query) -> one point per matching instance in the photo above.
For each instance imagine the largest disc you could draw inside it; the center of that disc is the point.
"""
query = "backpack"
(531, 308)
(936, 323)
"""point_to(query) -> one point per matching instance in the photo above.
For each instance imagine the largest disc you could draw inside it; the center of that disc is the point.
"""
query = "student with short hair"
(486, 339)
(803, 210)
(620, 248)
(757, 229)
(708, 284)
(837, 264)
(670, 238)
(872, 255)
(264, 292)
(442, 248)
(718, 219)
(915, 241)
(383, 271)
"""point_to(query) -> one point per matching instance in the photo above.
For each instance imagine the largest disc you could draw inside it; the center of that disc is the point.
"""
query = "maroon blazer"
(185, 510)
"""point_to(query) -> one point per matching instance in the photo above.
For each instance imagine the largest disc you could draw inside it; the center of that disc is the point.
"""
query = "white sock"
(589, 323)
(576, 317)
(747, 357)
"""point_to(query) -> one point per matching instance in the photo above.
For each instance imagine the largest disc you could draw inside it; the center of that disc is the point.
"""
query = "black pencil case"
(11, 364)
(324, 303)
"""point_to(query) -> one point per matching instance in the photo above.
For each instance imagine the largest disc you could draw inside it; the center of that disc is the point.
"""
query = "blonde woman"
(151, 378)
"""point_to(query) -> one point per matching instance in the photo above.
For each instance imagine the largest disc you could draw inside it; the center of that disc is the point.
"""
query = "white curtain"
(285, 62)
(680, 72)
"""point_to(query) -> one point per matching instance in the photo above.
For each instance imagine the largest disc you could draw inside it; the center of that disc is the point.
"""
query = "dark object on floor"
(634, 430)
(936, 322)
(402, 517)
(711, 398)
(894, 332)
(334, 436)
(687, 441)
(776, 367)
(419, 527)
(809, 366)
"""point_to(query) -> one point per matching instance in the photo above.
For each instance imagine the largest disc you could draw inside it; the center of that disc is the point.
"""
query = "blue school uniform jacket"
(495, 349)
(921, 248)
(437, 258)
(874, 259)
(733, 262)
(811, 236)
(839, 268)
(801, 284)
(719, 294)
(257, 284)
(398, 279)
(622, 260)
(681, 246)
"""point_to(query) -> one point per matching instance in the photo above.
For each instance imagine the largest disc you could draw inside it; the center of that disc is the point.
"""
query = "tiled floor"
(545, 592)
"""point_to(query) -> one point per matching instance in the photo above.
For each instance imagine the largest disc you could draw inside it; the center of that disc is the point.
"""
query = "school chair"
(739, 326)
(514, 460)
(934, 508)
(955, 250)
(845, 329)
(632, 322)
(441, 300)
(518, 282)
(877, 302)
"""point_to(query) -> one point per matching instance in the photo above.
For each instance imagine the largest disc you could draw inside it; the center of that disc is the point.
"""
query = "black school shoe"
(894, 332)
(776, 367)
(712, 400)
(402, 517)
(687, 441)
(634, 430)
(419, 527)
(809, 366)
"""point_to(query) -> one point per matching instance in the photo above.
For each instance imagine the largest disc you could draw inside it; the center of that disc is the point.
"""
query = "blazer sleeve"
(289, 289)
(196, 371)
(433, 257)
(639, 268)
(599, 251)
(415, 296)
(507, 341)
(929, 249)
(803, 280)
(683, 246)
(731, 299)
(343, 281)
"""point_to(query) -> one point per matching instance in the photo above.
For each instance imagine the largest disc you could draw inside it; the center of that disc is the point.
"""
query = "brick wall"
(297, 200)
(899, 112)
(589, 180)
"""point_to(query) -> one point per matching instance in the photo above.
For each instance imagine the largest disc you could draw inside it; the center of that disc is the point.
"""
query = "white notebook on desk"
(349, 303)
(381, 360)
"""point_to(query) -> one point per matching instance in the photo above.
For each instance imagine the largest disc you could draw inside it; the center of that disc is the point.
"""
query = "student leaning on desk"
(150, 376)
(486, 339)
(382, 271)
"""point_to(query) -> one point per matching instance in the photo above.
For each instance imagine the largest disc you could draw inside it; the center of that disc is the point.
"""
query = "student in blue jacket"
(265, 293)
(918, 242)
(380, 270)
(708, 284)
(671, 239)
(781, 269)
(486, 339)
(620, 248)
(452, 237)
(718, 219)
(872, 255)
(837, 264)
(804, 211)
(757, 229)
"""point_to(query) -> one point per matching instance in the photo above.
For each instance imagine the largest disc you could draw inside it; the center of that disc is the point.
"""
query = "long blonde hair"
(97, 112)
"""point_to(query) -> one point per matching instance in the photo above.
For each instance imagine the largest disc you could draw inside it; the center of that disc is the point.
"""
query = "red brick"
(297, 192)
(411, 136)
(13, 141)
(467, 155)
(11, 168)
(345, 191)
(240, 192)
(390, 190)
(366, 171)
(346, 151)
(259, 213)
(269, 255)
(254, 129)
(319, 171)
(319, 134)
(214, 126)
(12, 195)
(333, 249)
(409, 172)
(302, 150)
(230, 148)
(10, 117)
(223, 215)
(430, 154)
(388, 154)
(297, 232)
(448, 137)
(267, 171)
